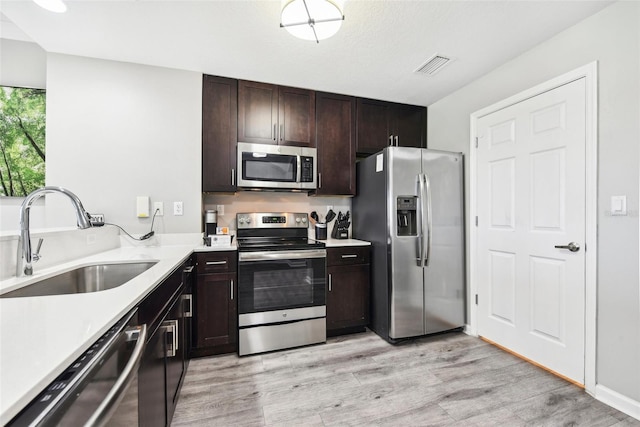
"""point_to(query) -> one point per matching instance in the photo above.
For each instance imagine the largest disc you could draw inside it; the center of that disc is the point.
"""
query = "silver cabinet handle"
(274, 132)
(171, 327)
(390, 140)
(349, 256)
(216, 262)
(572, 246)
(281, 132)
(233, 177)
(188, 269)
(188, 298)
(329, 282)
(231, 289)
(319, 180)
(108, 405)
(397, 141)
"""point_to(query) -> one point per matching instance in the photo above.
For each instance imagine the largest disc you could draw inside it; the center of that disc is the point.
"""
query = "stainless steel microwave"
(279, 167)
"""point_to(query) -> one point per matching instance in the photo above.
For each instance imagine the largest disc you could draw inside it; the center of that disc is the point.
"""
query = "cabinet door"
(347, 296)
(336, 126)
(174, 343)
(216, 312)
(151, 382)
(409, 125)
(219, 130)
(257, 112)
(296, 117)
(372, 126)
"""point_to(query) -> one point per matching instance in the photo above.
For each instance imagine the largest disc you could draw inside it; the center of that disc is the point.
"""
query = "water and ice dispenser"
(406, 213)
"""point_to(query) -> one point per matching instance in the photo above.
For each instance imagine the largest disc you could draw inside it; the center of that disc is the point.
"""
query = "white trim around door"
(589, 73)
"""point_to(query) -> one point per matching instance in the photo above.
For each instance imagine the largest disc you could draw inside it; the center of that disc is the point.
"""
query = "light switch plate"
(618, 205)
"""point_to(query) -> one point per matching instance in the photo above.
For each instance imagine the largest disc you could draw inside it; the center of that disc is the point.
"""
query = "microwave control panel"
(306, 169)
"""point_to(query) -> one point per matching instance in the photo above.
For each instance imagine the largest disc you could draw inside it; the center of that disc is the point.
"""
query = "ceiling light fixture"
(57, 6)
(311, 19)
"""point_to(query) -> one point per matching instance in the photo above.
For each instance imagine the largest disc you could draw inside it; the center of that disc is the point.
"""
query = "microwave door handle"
(110, 403)
(298, 167)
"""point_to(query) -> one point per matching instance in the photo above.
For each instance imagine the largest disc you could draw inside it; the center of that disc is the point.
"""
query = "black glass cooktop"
(275, 244)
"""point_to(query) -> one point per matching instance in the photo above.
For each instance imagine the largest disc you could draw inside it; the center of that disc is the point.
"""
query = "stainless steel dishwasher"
(100, 388)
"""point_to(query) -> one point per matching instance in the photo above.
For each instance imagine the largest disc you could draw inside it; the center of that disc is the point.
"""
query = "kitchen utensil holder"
(321, 231)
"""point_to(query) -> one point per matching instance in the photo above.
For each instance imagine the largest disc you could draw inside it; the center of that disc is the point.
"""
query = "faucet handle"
(36, 255)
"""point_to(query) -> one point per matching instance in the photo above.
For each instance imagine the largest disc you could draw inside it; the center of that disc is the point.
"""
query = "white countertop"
(336, 243)
(41, 336)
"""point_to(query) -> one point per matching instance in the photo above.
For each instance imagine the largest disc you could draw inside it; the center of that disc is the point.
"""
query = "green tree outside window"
(22, 140)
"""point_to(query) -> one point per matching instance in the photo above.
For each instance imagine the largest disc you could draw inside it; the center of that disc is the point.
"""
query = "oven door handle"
(280, 255)
(117, 392)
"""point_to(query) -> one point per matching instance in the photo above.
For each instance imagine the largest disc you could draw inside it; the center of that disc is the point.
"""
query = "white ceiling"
(374, 54)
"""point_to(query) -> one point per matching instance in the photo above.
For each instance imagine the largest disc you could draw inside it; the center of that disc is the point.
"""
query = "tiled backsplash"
(272, 202)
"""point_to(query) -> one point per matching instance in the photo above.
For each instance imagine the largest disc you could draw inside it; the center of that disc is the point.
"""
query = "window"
(22, 140)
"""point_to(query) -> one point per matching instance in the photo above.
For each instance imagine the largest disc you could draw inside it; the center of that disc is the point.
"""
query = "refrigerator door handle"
(427, 250)
(422, 202)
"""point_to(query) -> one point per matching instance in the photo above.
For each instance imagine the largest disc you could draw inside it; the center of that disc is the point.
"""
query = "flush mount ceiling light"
(57, 6)
(311, 19)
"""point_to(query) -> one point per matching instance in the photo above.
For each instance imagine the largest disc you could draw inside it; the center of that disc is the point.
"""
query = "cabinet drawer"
(216, 262)
(348, 255)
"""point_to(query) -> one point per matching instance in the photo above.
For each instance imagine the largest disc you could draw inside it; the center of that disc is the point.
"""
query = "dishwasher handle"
(117, 392)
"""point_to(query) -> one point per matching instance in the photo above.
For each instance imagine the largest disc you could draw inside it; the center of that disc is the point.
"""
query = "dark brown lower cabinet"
(216, 314)
(151, 385)
(348, 283)
(165, 359)
(215, 305)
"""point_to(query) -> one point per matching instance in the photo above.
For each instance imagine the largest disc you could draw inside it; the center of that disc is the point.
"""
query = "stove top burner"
(274, 231)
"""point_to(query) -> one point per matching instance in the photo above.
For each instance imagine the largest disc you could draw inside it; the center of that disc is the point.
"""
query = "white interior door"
(531, 198)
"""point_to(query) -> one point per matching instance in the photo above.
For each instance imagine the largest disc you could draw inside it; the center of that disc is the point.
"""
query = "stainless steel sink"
(92, 278)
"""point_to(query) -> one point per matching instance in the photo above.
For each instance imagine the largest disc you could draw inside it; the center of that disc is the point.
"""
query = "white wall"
(118, 130)
(22, 64)
(612, 37)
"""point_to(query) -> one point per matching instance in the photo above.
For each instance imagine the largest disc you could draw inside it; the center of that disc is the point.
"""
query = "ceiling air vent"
(433, 65)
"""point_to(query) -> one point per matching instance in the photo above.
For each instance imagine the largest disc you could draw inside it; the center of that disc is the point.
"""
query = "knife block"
(339, 232)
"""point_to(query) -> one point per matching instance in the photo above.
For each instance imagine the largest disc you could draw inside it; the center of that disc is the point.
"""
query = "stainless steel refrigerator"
(409, 205)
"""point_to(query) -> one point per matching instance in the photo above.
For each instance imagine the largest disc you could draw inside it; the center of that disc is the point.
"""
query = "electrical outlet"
(220, 209)
(158, 206)
(177, 208)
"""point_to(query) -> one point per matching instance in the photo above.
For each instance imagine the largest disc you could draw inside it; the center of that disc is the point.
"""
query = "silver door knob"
(572, 246)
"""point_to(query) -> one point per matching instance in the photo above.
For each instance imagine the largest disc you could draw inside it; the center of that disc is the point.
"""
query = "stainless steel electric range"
(281, 283)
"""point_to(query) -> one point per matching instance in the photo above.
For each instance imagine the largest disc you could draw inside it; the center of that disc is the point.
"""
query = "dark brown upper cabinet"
(219, 131)
(381, 124)
(271, 114)
(336, 140)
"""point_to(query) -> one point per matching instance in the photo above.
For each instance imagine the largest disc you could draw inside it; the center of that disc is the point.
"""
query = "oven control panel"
(272, 220)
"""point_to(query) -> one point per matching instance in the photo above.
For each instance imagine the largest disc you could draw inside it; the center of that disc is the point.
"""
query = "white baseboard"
(616, 400)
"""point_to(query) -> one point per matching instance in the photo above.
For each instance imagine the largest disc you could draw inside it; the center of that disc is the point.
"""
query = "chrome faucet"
(25, 257)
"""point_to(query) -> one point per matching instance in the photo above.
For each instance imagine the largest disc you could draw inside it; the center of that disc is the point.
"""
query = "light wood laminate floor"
(446, 380)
